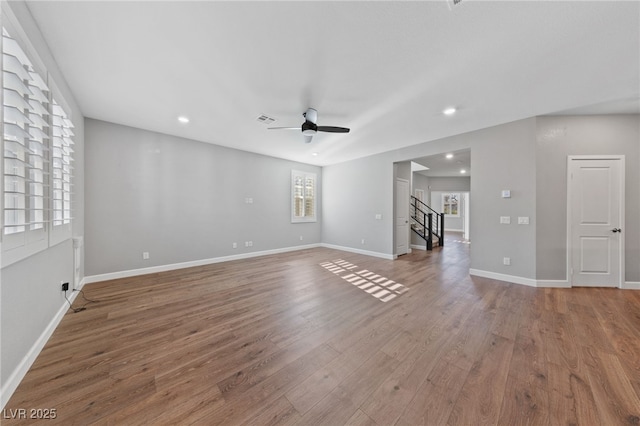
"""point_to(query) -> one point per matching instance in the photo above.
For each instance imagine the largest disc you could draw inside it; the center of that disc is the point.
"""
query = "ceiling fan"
(310, 128)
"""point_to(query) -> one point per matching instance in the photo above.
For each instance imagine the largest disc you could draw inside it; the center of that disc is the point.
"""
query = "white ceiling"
(440, 166)
(384, 69)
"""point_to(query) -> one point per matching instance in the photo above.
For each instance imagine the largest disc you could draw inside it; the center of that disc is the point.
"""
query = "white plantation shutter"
(38, 151)
(61, 166)
(303, 196)
(24, 161)
(37, 158)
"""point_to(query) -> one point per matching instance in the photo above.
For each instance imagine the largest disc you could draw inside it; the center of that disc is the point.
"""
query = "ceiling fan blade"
(311, 115)
(307, 138)
(283, 128)
(333, 129)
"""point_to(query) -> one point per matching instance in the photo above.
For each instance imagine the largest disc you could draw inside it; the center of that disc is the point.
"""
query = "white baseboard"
(628, 285)
(359, 251)
(173, 266)
(11, 384)
(631, 285)
(503, 277)
(553, 284)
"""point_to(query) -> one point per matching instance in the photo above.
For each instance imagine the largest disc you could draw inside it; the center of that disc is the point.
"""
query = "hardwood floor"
(282, 340)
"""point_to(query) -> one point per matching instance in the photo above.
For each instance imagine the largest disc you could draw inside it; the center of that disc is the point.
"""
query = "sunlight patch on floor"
(376, 285)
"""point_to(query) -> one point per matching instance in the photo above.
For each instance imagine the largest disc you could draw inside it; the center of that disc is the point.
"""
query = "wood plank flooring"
(281, 340)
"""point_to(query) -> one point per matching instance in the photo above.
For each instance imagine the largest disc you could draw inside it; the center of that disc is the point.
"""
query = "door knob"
(616, 230)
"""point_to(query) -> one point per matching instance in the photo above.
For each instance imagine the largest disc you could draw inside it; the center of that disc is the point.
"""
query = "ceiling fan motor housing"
(309, 128)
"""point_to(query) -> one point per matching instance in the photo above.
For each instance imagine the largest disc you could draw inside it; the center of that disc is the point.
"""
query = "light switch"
(506, 193)
(505, 220)
(378, 216)
(523, 220)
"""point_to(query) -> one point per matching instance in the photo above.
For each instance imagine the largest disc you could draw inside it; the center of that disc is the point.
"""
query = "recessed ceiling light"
(463, 171)
(449, 156)
(183, 119)
(449, 111)
(315, 154)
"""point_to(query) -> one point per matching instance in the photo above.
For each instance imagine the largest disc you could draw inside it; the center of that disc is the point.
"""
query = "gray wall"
(438, 183)
(366, 185)
(503, 157)
(420, 181)
(31, 298)
(30, 295)
(453, 183)
(353, 193)
(560, 136)
(182, 200)
(528, 157)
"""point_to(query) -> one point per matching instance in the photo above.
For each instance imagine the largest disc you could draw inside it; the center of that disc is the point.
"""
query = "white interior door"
(402, 216)
(596, 206)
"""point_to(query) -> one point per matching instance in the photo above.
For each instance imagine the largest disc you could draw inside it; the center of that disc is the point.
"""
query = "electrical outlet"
(145, 255)
(65, 286)
(250, 243)
(301, 238)
(506, 261)
(234, 245)
(362, 242)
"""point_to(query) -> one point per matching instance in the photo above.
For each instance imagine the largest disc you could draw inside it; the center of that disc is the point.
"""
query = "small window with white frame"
(303, 196)
(451, 204)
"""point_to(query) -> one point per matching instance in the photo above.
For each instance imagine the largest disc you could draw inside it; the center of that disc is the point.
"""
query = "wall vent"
(265, 119)
(453, 3)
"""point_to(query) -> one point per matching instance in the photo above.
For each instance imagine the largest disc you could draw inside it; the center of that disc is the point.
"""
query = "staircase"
(427, 223)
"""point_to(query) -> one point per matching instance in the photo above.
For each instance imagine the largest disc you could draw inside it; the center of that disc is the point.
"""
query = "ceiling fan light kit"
(309, 128)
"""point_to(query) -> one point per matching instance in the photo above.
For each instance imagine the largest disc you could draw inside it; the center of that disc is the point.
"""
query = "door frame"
(571, 158)
(395, 218)
(466, 223)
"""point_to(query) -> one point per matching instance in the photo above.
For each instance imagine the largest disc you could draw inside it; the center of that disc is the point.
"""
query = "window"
(37, 156)
(303, 197)
(451, 204)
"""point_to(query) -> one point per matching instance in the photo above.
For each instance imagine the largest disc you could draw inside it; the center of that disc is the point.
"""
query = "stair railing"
(432, 222)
